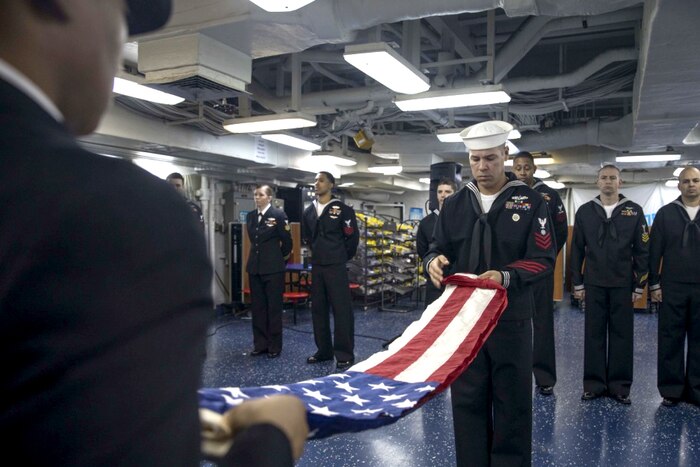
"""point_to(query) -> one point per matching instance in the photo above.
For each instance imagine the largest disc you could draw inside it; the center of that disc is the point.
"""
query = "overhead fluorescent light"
(346, 184)
(276, 6)
(384, 64)
(663, 157)
(385, 169)
(387, 155)
(424, 180)
(539, 173)
(160, 169)
(451, 135)
(292, 140)
(274, 122)
(678, 171)
(139, 91)
(671, 183)
(693, 136)
(334, 159)
(450, 98)
(554, 184)
(512, 148)
(544, 160)
(538, 160)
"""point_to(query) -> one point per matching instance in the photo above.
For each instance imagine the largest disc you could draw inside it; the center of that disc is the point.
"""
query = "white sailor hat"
(486, 135)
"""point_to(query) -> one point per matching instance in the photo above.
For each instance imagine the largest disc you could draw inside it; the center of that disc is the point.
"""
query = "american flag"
(417, 366)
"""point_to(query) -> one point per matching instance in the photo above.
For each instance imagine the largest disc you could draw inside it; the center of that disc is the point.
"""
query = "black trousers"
(679, 318)
(492, 400)
(608, 340)
(543, 355)
(330, 288)
(266, 309)
(431, 293)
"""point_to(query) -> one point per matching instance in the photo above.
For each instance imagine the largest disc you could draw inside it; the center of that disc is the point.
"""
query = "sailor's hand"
(435, 269)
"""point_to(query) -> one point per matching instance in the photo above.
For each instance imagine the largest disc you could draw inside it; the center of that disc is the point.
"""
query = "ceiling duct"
(195, 66)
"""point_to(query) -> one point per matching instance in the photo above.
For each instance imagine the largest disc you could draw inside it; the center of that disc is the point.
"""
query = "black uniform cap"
(147, 15)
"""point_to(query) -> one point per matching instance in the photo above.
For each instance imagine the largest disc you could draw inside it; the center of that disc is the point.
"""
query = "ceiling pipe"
(535, 28)
(616, 135)
(363, 14)
(575, 77)
(326, 102)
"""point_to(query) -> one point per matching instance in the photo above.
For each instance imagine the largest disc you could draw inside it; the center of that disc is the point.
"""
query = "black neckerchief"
(607, 227)
(482, 228)
(691, 227)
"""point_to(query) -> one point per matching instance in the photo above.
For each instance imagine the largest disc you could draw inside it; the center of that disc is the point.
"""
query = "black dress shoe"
(587, 396)
(315, 358)
(255, 353)
(343, 365)
(669, 402)
(622, 399)
(545, 390)
(273, 354)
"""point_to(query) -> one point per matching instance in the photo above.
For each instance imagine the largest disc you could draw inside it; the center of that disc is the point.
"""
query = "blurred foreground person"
(104, 277)
(674, 280)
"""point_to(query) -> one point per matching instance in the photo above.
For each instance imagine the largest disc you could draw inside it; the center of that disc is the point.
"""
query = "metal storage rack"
(366, 268)
(400, 265)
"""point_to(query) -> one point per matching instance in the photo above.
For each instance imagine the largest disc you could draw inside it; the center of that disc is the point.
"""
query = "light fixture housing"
(554, 184)
(342, 161)
(538, 161)
(291, 140)
(451, 98)
(658, 157)
(274, 122)
(451, 135)
(278, 6)
(693, 136)
(139, 91)
(385, 169)
(385, 65)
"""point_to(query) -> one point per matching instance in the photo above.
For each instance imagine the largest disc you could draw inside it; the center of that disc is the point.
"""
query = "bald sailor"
(497, 228)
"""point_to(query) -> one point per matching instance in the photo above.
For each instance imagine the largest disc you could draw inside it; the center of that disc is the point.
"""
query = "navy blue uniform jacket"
(514, 237)
(333, 237)
(675, 237)
(270, 241)
(615, 250)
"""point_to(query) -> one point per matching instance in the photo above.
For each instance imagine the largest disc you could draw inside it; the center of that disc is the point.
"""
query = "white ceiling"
(588, 80)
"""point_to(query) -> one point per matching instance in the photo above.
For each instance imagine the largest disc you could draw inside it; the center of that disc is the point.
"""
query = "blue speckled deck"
(566, 430)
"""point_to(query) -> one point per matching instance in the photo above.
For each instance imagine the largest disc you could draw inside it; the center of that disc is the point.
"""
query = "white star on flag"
(322, 411)
(339, 375)
(427, 388)
(346, 386)
(380, 386)
(393, 397)
(277, 387)
(236, 393)
(312, 382)
(316, 395)
(356, 399)
(407, 404)
(366, 411)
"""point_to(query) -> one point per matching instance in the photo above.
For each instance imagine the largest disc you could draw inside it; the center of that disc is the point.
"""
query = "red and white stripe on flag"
(446, 338)
(418, 365)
